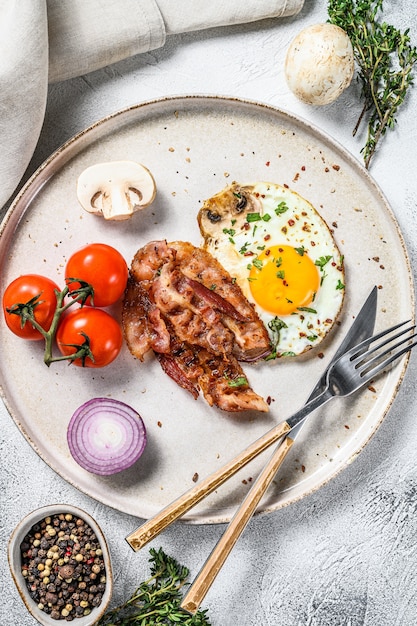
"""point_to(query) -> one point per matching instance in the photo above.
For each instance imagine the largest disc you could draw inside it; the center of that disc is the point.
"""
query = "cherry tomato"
(103, 332)
(101, 266)
(39, 293)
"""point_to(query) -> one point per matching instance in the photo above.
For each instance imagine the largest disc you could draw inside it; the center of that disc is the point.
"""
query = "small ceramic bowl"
(14, 557)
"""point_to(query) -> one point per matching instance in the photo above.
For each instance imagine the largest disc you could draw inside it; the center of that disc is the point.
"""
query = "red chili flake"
(291, 222)
(301, 334)
(286, 186)
(320, 355)
(280, 249)
(244, 481)
(263, 196)
(248, 253)
(284, 282)
(267, 237)
(326, 169)
(246, 226)
(268, 163)
(329, 321)
(269, 400)
(159, 424)
(313, 243)
(336, 167)
(303, 468)
(90, 560)
(267, 252)
(303, 168)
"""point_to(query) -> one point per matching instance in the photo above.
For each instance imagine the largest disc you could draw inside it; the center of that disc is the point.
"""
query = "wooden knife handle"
(199, 588)
(151, 528)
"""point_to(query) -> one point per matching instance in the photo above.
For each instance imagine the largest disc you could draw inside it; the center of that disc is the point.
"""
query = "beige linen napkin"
(79, 36)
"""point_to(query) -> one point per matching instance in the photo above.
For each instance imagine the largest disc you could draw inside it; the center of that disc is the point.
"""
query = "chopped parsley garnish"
(300, 251)
(253, 217)
(340, 285)
(281, 208)
(280, 274)
(258, 264)
(266, 217)
(306, 309)
(322, 261)
(229, 231)
(311, 337)
(275, 325)
(239, 381)
(244, 248)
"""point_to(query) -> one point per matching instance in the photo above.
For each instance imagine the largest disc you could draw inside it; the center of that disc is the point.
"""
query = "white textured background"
(347, 555)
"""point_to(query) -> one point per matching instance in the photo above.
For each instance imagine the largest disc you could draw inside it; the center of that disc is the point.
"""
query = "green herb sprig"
(385, 60)
(157, 600)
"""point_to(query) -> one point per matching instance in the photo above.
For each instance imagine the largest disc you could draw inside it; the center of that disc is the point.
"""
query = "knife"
(361, 329)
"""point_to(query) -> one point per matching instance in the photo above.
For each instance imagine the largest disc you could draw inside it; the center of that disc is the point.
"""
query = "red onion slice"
(106, 436)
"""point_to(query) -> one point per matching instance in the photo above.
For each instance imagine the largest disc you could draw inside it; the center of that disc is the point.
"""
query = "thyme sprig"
(385, 59)
(157, 600)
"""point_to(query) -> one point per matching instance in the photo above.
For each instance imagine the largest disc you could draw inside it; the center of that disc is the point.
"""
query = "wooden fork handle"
(151, 528)
(199, 588)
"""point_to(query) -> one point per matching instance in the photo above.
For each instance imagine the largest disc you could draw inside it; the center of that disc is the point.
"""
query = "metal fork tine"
(358, 350)
(381, 366)
(367, 362)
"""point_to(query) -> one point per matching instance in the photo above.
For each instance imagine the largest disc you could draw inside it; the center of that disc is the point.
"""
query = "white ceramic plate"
(194, 146)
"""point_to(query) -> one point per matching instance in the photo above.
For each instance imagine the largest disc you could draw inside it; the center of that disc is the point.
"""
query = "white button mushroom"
(115, 189)
(319, 64)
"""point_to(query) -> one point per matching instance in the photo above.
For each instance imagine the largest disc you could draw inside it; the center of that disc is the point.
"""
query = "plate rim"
(34, 185)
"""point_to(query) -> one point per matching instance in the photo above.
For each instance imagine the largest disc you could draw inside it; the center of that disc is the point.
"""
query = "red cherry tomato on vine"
(101, 266)
(38, 293)
(103, 332)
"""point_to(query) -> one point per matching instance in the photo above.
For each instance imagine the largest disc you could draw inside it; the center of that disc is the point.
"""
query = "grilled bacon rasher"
(183, 305)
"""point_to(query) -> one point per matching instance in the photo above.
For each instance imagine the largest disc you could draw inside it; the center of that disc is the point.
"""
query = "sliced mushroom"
(115, 189)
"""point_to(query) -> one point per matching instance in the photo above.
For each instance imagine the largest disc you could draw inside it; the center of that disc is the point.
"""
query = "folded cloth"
(23, 86)
(82, 36)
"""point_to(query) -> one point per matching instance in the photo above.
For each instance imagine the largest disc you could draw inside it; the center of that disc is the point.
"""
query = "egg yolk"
(283, 279)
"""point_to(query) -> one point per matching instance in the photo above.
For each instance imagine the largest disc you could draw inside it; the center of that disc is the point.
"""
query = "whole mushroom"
(319, 64)
(115, 189)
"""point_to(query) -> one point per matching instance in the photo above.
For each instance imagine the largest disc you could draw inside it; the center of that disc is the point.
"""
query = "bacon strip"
(184, 306)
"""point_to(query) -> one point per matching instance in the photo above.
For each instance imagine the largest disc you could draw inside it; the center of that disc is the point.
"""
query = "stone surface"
(344, 556)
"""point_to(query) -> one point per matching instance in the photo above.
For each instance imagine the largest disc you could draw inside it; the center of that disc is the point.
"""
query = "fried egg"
(283, 255)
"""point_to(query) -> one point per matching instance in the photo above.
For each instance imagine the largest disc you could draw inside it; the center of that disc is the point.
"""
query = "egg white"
(285, 218)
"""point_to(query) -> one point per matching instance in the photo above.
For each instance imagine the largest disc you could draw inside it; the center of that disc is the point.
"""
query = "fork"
(352, 371)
